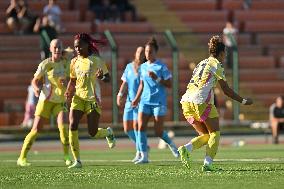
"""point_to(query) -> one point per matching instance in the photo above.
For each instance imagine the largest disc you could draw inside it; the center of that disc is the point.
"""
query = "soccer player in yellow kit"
(53, 73)
(85, 69)
(198, 104)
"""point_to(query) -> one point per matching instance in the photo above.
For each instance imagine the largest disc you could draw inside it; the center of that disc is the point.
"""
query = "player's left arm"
(102, 73)
(167, 83)
(232, 94)
(165, 79)
(218, 71)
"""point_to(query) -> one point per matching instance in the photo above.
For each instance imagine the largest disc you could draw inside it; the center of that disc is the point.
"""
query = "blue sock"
(142, 140)
(165, 137)
(137, 141)
(131, 135)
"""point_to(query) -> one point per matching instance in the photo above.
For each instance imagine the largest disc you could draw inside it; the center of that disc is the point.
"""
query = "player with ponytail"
(198, 104)
(85, 69)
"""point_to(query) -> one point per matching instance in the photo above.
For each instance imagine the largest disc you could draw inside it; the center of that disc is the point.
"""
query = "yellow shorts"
(45, 108)
(198, 112)
(84, 105)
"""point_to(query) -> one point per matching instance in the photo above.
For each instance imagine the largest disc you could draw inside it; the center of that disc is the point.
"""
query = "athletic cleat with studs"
(75, 165)
(23, 162)
(137, 157)
(110, 138)
(184, 156)
(210, 168)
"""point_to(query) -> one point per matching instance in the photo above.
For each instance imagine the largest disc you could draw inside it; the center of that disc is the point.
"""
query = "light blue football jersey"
(153, 92)
(132, 79)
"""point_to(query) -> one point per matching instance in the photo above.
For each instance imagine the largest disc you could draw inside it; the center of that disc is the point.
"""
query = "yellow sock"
(199, 141)
(213, 144)
(102, 133)
(74, 144)
(28, 142)
(64, 139)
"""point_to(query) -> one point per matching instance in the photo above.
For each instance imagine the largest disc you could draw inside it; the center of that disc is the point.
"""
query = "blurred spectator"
(103, 10)
(30, 105)
(19, 19)
(53, 12)
(229, 38)
(124, 6)
(47, 34)
(276, 118)
(12, 16)
(247, 4)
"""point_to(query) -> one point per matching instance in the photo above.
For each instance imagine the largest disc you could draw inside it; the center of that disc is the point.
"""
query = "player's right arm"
(230, 93)
(41, 69)
(69, 93)
(123, 87)
(121, 92)
(70, 89)
(36, 86)
(138, 95)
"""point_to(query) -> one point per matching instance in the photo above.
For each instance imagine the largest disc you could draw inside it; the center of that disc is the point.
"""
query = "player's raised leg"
(93, 123)
(194, 144)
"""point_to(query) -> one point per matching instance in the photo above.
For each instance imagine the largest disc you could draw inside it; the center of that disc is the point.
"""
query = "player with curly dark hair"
(198, 104)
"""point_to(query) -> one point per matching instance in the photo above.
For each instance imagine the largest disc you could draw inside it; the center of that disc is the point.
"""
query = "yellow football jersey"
(84, 70)
(203, 80)
(54, 74)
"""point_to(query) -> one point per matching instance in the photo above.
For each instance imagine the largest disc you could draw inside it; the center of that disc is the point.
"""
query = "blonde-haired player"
(53, 73)
(198, 104)
(85, 69)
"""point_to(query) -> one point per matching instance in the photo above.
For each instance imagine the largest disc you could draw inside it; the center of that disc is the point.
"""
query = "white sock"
(138, 153)
(144, 155)
(208, 160)
(189, 146)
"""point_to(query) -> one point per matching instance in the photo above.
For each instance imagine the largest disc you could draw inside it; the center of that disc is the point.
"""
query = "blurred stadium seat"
(261, 48)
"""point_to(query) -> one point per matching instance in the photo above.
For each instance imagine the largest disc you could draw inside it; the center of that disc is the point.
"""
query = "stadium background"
(260, 48)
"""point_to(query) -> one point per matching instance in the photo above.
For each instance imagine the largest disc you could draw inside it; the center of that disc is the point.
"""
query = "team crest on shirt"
(83, 73)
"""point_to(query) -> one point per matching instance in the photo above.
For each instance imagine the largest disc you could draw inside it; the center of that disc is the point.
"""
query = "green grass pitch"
(259, 166)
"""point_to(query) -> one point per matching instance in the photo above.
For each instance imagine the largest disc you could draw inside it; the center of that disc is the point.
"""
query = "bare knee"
(127, 126)
(38, 123)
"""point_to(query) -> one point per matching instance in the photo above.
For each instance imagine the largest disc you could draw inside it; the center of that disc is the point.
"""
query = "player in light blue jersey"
(155, 78)
(130, 83)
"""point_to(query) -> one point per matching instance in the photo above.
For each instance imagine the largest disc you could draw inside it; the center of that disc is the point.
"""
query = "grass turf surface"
(259, 166)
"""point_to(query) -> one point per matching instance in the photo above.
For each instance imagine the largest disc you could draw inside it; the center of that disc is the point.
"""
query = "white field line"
(161, 160)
